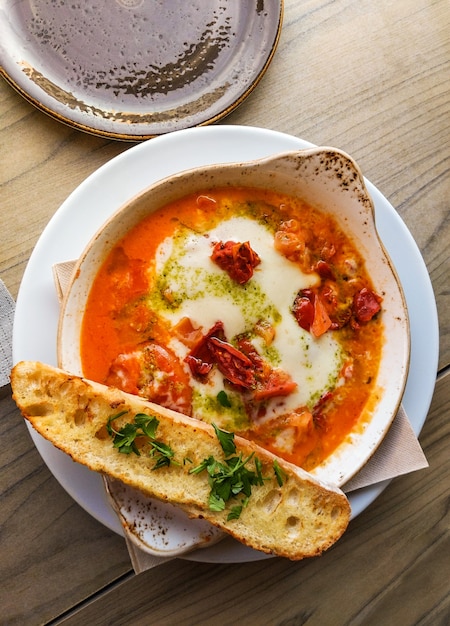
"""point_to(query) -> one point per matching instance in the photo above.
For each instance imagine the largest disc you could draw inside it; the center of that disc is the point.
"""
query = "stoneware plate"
(325, 178)
(132, 69)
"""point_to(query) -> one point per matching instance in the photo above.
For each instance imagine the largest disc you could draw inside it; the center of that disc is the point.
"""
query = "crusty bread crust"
(301, 518)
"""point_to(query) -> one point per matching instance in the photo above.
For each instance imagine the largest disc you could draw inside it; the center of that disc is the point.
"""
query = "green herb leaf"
(280, 475)
(147, 423)
(143, 425)
(123, 439)
(109, 426)
(216, 503)
(162, 448)
(258, 467)
(223, 399)
(226, 440)
(163, 453)
(202, 466)
(234, 513)
(162, 461)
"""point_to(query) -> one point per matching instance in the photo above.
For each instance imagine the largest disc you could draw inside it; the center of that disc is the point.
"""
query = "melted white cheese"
(204, 293)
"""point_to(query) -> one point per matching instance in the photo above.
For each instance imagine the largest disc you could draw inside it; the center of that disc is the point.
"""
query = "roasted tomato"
(241, 366)
(269, 382)
(232, 363)
(200, 359)
(310, 312)
(237, 259)
(213, 349)
(366, 304)
(155, 373)
(303, 309)
(276, 383)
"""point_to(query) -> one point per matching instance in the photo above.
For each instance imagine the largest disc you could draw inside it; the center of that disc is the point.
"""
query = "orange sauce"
(118, 319)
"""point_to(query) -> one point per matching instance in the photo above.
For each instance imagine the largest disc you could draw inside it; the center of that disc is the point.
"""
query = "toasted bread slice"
(298, 518)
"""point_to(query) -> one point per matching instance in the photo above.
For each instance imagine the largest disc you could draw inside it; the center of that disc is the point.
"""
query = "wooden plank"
(45, 162)
(54, 554)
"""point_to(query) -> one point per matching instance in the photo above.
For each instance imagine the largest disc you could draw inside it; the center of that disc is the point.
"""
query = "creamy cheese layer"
(193, 286)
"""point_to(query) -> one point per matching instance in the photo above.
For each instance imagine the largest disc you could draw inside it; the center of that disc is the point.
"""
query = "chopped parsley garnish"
(142, 426)
(226, 440)
(234, 476)
(230, 478)
(279, 474)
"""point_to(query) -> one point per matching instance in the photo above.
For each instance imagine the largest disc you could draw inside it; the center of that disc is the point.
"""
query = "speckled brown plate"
(133, 69)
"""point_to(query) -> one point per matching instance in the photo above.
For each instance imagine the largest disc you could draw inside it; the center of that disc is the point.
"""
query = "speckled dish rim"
(332, 181)
(12, 72)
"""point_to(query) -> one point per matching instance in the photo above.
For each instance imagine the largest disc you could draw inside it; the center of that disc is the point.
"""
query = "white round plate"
(87, 208)
(132, 69)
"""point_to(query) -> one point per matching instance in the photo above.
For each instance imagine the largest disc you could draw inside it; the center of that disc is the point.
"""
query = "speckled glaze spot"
(158, 117)
(130, 4)
(159, 64)
(155, 527)
(158, 48)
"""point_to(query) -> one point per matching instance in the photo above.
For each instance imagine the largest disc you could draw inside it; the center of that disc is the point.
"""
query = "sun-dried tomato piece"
(276, 383)
(366, 304)
(303, 309)
(323, 268)
(200, 359)
(270, 382)
(310, 312)
(199, 368)
(232, 363)
(237, 259)
(246, 346)
(241, 365)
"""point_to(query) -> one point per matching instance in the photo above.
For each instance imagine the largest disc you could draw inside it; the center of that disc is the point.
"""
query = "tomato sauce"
(136, 334)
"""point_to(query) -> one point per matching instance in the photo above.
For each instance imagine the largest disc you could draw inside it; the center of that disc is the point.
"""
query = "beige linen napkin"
(142, 561)
(399, 452)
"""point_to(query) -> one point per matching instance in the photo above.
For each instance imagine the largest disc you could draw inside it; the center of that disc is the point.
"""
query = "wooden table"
(371, 78)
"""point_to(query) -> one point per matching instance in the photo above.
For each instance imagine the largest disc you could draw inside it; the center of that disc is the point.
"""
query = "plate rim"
(260, 140)
(22, 85)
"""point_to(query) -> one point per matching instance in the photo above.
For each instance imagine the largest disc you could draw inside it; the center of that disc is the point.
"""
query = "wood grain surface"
(373, 79)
